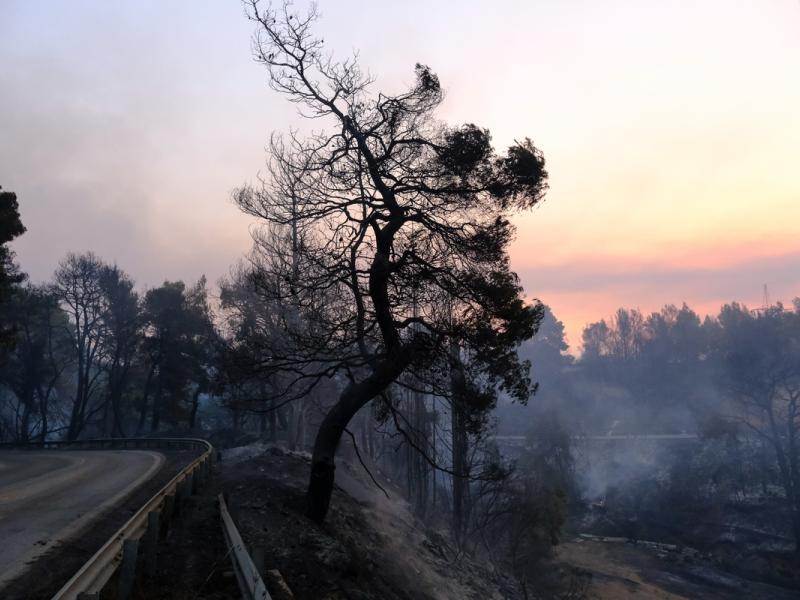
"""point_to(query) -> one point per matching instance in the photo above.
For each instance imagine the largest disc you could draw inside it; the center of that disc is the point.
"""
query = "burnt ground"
(49, 572)
(370, 547)
(626, 570)
(193, 562)
(730, 549)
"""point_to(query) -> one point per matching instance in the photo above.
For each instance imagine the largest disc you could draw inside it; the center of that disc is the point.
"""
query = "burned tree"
(77, 286)
(179, 343)
(760, 356)
(401, 228)
(120, 344)
(40, 355)
(11, 227)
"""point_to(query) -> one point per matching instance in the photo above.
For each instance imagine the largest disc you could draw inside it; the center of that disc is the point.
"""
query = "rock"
(277, 586)
(328, 551)
(434, 548)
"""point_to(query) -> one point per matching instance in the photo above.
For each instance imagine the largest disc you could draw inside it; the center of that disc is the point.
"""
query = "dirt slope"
(371, 547)
(623, 570)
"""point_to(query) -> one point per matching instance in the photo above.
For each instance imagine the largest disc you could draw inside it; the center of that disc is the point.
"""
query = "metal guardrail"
(116, 444)
(120, 553)
(250, 582)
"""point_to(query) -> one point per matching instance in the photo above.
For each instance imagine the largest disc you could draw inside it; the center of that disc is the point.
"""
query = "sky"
(671, 132)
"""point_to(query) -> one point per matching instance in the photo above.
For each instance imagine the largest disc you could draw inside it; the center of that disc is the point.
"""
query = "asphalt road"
(47, 496)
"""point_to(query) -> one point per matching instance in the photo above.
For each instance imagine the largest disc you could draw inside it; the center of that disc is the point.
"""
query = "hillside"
(371, 546)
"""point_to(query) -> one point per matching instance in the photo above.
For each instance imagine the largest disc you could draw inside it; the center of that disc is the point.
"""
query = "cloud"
(733, 280)
(588, 289)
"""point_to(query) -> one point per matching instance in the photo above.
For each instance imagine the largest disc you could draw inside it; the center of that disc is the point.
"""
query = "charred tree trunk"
(25, 421)
(236, 417)
(73, 430)
(145, 397)
(421, 424)
(283, 420)
(788, 482)
(363, 431)
(459, 443)
(291, 409)
(43, 414)
(459, 463)
(796, 530)
(433, 453)
(298, 429)
(352, 399)
(273, 424)
(115, 400)
(794, 467)
(155, 420)
(408, 456)
(195, 405)
(108, 417)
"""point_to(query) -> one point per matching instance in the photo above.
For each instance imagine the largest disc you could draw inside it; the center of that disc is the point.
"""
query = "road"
(47, 496)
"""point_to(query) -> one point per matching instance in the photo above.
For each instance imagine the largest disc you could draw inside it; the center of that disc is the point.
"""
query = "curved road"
(46, 496)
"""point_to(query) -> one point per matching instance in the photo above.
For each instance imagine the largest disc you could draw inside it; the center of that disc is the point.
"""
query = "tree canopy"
(399, 228)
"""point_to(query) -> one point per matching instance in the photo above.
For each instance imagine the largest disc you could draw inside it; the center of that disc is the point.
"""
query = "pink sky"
(671, 131)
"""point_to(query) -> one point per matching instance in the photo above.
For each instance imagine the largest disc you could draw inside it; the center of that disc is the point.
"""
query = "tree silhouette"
(178, 333)
(77, 284)
(11, 227)
(120, 341)
(400, 227)
(760, 355)
(41, 354)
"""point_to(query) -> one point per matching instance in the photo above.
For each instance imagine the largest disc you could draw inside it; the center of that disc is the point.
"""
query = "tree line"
(89, 356)
(732, 378)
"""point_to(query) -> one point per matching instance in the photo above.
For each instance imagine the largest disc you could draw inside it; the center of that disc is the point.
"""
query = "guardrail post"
(151, 547)
(180, 496)
(168, 510)
(127, 569)
(192, 483)
(259, 556)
